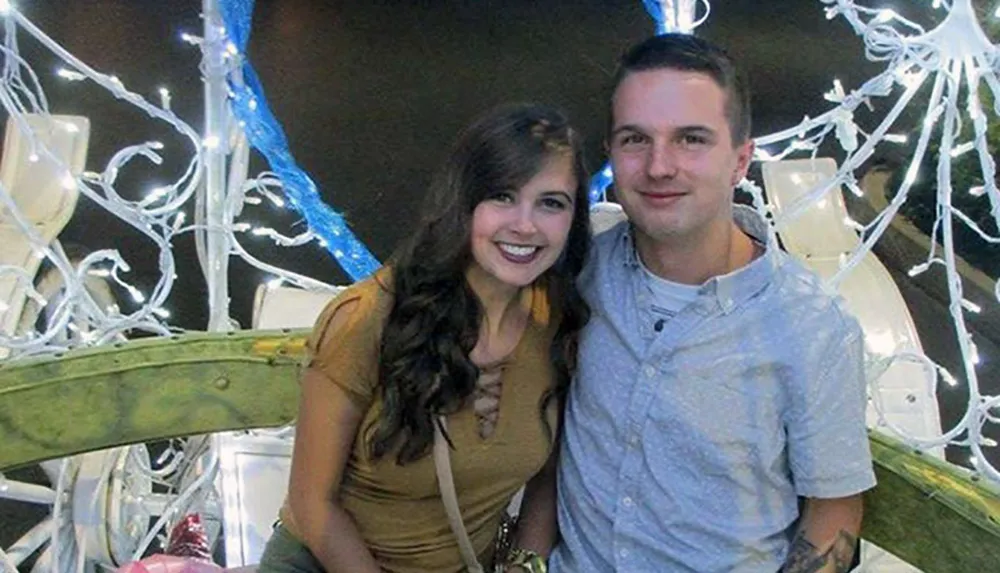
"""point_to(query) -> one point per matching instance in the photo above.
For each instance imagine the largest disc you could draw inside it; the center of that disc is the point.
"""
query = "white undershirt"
(668, 297)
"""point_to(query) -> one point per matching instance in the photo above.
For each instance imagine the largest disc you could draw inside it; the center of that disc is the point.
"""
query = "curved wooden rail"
(146, 390)
(932, 514)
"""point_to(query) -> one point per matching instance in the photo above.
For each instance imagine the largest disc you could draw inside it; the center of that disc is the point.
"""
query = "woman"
(476, 321)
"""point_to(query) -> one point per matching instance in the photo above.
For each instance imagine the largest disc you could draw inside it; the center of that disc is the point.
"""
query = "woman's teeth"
(517, 250)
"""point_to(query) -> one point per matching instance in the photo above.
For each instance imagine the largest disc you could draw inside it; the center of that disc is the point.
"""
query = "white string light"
(953, 54)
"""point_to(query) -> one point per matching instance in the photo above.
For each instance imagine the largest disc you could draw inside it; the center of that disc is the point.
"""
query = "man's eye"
(694, 140)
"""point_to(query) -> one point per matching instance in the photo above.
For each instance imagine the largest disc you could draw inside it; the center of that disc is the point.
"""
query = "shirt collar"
(733, 289)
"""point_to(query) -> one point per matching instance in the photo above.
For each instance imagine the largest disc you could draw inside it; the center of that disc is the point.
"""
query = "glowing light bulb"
(164, 98)
(884, 16)
(763, 154)
(69, 75)
(156, 194)
(971, 306)
(962, 149)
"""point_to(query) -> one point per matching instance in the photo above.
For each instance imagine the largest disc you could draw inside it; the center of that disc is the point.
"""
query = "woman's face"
(519, 234)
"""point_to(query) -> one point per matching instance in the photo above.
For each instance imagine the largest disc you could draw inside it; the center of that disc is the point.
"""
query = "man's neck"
(695, 260)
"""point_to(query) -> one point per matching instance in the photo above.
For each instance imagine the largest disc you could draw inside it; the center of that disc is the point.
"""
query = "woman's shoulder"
(358, 310)
(367, 296)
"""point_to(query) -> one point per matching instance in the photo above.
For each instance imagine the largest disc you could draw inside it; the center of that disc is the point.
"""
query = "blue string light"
(599, 184)
(655, 10)
(264, 132)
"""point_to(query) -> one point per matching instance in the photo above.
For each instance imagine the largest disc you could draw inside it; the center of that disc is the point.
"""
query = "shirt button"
(650, 371)
(623, 553)
(633, 439)
(627, 502)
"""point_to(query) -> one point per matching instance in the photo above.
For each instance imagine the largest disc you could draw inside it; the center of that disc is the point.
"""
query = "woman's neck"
(504, 306)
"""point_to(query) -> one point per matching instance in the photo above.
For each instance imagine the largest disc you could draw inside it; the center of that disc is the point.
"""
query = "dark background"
(371, 93)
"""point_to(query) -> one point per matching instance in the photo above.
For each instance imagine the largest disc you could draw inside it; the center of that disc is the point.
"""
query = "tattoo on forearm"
(842, 551)
(804, 557)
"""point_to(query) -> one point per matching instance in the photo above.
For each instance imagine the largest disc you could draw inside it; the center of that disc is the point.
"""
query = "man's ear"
(744, 155)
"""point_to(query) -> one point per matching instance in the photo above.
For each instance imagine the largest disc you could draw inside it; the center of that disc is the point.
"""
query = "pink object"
(170, 564)
(187, 552)
(188, 539)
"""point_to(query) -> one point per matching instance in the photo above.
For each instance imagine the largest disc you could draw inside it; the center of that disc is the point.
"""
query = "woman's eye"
(554, 203)
(502, 197)
(631, 140)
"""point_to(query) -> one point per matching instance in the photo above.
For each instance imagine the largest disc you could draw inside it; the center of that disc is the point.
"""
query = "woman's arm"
(537, 528)
(324, 436)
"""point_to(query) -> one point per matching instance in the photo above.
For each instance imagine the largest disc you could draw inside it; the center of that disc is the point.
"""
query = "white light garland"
(159, 215)
(954, 54)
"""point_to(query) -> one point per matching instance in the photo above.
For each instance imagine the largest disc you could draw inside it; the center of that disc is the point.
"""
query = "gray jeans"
(286, 554)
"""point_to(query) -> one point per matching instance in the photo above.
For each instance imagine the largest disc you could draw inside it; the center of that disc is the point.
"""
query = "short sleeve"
(828, 447)
(344, 345)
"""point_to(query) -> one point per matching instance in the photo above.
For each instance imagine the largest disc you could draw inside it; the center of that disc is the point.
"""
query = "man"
(718, 386)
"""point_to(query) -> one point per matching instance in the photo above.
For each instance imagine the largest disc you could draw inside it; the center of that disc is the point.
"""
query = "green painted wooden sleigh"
(934, 515)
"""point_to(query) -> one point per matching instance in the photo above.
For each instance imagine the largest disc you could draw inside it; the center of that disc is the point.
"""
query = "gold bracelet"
(531, 561)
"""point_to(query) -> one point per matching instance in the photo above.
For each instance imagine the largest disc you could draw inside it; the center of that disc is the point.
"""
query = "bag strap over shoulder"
(446, 483)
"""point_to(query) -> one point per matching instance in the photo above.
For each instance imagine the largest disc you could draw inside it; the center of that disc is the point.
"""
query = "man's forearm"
(826, 537)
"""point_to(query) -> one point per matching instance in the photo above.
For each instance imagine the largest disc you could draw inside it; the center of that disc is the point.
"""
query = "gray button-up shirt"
(687, 449)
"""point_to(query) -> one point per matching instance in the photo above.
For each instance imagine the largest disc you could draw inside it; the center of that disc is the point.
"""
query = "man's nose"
(660, 162)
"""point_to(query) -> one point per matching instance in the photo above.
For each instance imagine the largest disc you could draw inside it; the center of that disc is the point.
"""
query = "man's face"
(674, 160)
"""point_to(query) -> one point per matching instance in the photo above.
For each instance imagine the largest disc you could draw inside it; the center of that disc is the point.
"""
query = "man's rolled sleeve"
(828, 447)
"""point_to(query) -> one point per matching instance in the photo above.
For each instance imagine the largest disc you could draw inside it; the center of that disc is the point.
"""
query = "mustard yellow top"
(398, 509)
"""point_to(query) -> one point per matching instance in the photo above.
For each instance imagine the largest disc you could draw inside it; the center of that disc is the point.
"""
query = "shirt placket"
(657, 347)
